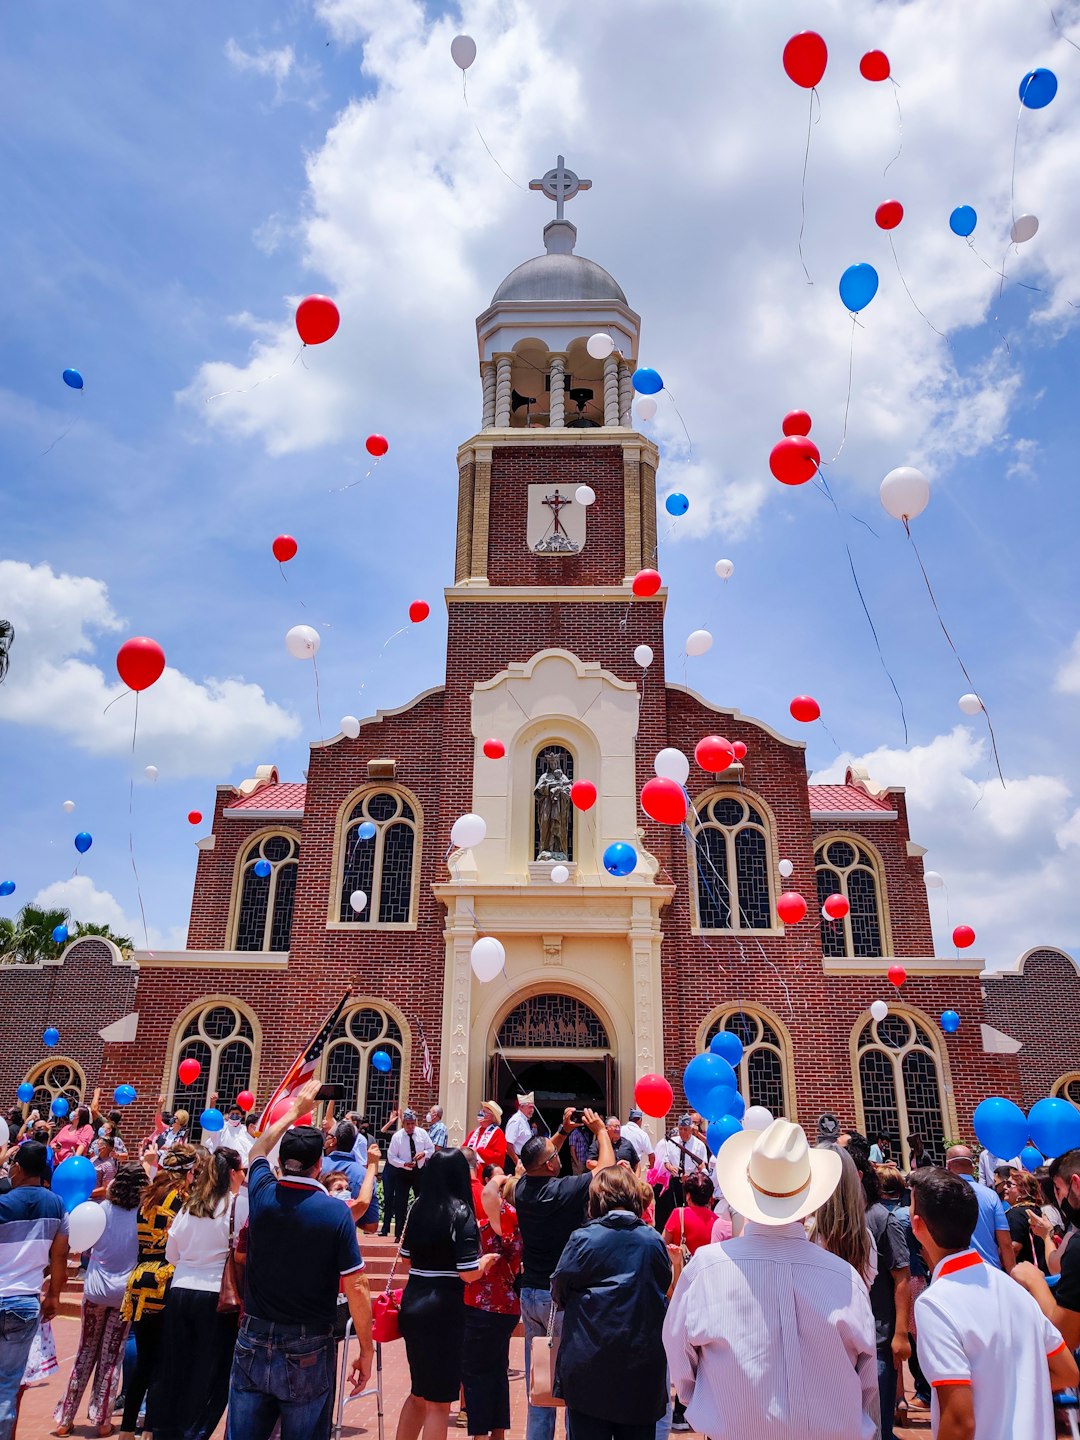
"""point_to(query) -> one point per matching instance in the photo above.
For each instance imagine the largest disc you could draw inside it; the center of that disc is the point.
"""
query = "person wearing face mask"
(233, 1135)
(1061, 1306)
(489, 1138)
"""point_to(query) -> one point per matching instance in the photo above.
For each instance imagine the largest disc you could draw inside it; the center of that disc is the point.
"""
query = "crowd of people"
(774, 1289)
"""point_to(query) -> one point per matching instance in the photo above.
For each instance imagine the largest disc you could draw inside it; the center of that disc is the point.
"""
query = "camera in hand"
(331, 1092)
(577, 1117)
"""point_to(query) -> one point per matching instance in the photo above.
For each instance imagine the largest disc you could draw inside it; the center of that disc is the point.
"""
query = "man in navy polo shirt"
(361, 1176)
(301, 1250)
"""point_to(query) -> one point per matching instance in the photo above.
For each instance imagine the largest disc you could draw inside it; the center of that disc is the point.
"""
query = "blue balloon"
(950, 1022)
(25, 1092)
(727, 1045)
(7, 887)
(83, 841)
(962, 221)
(212, 1121)
(1000, 1126)
(737, 1107)
(262, 868)
(382, 1062)
(73, 1180)
(676, 504)
(51, 1037)
(1030, 1158)
(59, 1107)
(858, 286)
(1054, 1126)
(620, 858)
(1038, 88)
(710, 1085)
(125, 1095)
(60, 934)
(366, 831)
(721, 1130)
(646, 382)
(74, 379)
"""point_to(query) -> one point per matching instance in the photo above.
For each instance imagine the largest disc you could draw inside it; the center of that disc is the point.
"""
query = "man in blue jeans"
(550, 1208)
(301, 1249)
(33, 1238)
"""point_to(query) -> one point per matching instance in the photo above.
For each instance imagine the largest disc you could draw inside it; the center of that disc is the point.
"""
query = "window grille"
(553, 1022)
(355, 1039)
(762, 1071)
(729, 857)
(900, 1083)
(849, 870)
(382, 866)
(222, 1040)
(265, 913)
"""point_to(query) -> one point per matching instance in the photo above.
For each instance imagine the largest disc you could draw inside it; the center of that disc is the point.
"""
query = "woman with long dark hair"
(441, 1246)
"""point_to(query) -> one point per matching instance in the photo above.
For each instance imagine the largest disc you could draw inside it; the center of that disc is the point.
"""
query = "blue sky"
(176, 180)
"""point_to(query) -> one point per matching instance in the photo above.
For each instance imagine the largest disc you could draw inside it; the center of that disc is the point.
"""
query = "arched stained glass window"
(221, 1038)
(553, 1021)
(264, 915)
(849, 869)
(379, 854)
(900, 1083)
(763, 1070)
(56, 1079)
(347, 1061)
(729, 857)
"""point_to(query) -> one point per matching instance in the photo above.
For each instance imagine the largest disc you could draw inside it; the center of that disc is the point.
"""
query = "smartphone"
(331, 1092)
(577, 1117)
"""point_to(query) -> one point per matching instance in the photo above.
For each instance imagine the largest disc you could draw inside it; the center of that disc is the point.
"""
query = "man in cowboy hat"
(489, 1138)
(519, 1127)
(771, 1335)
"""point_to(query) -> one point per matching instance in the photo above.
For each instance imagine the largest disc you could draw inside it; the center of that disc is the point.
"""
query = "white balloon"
(302, 642)
(785, 867)
(585, 495)
(350, 726)
(905, 492)
(487, 958)
(86, 1225)
(646, 408)
(600, 346)
(878, 1010)
(358, 901)
(5, 1132)
(725, 569)
(151, 772)
(757, 1118)
(1025, 227)
(643, 655)
(933, 881)
(559, 874)
(672, 764)
(468, 830)
(698, 641)
(970, 704)
(463, 51)
(69, 805)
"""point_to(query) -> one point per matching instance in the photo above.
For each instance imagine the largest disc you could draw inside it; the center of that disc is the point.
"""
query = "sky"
(177, 180)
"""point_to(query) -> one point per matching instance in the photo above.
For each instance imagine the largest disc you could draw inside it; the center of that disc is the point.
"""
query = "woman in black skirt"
(441, 1246)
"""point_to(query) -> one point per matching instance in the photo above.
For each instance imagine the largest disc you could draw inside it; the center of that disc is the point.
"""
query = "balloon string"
(911, 297)
(378, 657)
(476, 127)
(847, 402)
(900, 118)
(956, 652)
(131, 825)
(318, 705)
(247, 390)
(340, 490)
(682, 422)
(113, 701)
(831, 736)
(1012, 180)
(1061, 32)
(802, 195)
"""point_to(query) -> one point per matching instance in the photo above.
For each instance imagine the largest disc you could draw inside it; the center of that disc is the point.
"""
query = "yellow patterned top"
(145, 1294)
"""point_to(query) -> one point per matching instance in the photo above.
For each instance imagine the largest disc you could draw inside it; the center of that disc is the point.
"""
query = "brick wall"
(1041, 1008)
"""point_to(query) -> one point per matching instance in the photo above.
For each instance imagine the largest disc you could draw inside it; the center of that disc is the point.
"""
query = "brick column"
(463, 555)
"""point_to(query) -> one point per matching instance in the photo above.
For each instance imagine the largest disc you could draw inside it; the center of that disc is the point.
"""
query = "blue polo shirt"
(300, 1242)
(991, 1220)
(347, 1163)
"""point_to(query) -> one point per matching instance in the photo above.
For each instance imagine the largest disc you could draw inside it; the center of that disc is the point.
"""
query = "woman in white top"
(192, 1387)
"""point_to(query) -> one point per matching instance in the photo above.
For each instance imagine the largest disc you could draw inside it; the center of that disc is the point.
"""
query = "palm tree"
(7, 639)
(123, 943)
(27, 940)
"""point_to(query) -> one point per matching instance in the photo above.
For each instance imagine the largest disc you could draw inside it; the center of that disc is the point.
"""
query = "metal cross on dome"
(560, 185)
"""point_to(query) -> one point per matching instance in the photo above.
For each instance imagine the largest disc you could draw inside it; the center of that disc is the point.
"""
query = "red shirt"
(489, 1142)
(697, 1225)
(495, 1292)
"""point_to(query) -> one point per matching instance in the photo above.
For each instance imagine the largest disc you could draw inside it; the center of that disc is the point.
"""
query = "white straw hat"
(772, 1176)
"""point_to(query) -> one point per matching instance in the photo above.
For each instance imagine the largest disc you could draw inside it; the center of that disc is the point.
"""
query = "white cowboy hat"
(772, 1176)
(494, 1109)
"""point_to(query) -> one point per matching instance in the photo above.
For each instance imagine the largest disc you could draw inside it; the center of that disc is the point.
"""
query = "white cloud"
(1067, 679)
(275, 63)
(92, 906)
(192, 728)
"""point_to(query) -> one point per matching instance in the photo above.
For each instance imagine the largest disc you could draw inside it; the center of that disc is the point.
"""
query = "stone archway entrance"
(557, 1047)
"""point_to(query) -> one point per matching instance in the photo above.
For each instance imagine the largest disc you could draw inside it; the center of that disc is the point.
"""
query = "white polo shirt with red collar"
(977, 1327)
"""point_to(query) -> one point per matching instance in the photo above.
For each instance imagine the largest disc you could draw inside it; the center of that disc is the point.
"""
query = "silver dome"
(559, 277)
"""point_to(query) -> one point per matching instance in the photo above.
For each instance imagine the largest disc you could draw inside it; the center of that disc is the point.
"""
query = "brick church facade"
(606, 977)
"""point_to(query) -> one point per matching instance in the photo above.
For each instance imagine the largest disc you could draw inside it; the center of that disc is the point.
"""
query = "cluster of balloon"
(73, 379)
(1051, 1125)
(897, 975)
(835, 907)
(468, 830)
(699, 642)
(349, 726)
(125, 1095)
(664, 800)
(653, 1096)
(711, 1085)
(262, 869)
(382, 1062)
(676, 504)
(950, 1022)
(189, 1071)
(50, 1037)
(358, 902)
(7, 887)
(317, 319)
(60, 934)
(487, 958)
(805, 709)
(583, 794)
(791, 907)
(600, 346)
(494, 749)
(212, 1121)
(620, 859)
(858, 286)
(377, 445)
(302, 642)
(646, 583)
(419, 610)
(725, 569)
(560, 874)
(963, 937)
(284, 548)
(714, 754)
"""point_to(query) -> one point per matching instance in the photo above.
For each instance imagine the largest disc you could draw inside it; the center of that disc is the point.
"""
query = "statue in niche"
(553, 809)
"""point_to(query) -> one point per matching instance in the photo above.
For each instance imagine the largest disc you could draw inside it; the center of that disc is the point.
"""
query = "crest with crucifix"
(555, 521)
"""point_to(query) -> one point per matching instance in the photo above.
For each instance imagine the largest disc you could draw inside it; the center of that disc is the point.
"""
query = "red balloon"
(285, 547)
(494, 749)
(740, 750)
(897, 975)
(714, 753)
(797, 422)
(583, 794)
(805, 708)
(963, 936)
(194, 817)
(317, 319)
(189, 1071)
(139, 662)
(653, 1095)
(836, 907)
(889, 214)
(664, 800)
(646, 582)
(874, 65)
(377, 445)
(805, 58)
(795, 460)
(791, 907)
(281, 1109)
(419, 610)
(245, 1101)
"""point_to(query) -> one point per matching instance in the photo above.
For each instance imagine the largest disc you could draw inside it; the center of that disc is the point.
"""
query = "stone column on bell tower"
(626, 394)
(611, 390)
(557, 402)
(487, 377)
(503, 390)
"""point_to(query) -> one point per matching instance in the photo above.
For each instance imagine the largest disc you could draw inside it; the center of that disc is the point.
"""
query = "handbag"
(231, 1290)
(679, 1255)
(386, 1308)
(543, 1359)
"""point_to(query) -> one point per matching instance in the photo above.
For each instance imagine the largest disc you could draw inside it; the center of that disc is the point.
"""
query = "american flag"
(427, 1069)
(304, 1066)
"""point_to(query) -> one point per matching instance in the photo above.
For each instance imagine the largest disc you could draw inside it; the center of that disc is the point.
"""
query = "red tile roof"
(287, 796)
(845, 800)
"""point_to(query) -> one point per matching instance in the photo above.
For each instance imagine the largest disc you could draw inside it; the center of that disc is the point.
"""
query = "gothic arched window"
(847, 868)
(730, 860)
(553, 1022)
(56, 1079)
(356, 1037)
(900, 1084)
(221, 1038)
(764, 1069)
(265, 912)
(378, 858)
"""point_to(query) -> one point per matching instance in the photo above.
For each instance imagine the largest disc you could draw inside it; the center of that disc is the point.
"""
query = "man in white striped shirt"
(770, 1336)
